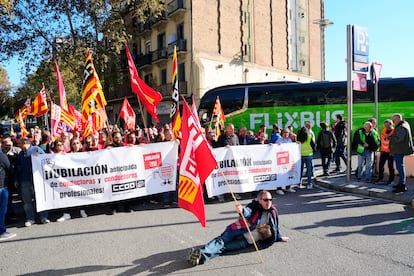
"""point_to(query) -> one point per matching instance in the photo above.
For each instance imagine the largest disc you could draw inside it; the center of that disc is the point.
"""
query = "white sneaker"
(280, 192)
(291, 190)
(45, 221)
(66, 216)
(83, 213)
(28, 223)
(309, 186)
(6, 236)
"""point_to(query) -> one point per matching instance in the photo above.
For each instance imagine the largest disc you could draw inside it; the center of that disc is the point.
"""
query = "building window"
(180, 31)
(181, 72)
(163, 76)
(147, 47)
(148, 79)
(161, 41)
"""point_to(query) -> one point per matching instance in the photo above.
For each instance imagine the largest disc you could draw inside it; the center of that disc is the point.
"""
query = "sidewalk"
(338, 182)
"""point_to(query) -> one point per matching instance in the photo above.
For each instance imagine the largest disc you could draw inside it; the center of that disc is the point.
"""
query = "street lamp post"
(323, 23)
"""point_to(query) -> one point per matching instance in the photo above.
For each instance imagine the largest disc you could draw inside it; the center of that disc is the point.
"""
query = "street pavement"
(331, 233)
(338, 182)
(337, 228)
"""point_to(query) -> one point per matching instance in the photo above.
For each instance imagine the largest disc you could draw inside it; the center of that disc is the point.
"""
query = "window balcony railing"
(181, 46)
(166, 89)
(160, 20)
(159, 54)
(142, 60)
(175, 7)
(144, 27)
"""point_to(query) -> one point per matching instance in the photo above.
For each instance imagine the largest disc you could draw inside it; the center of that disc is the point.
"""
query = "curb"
(355, 189)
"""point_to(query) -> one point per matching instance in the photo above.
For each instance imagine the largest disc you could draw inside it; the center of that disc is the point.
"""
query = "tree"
(38, 30)
(5, 7)
(5, 93)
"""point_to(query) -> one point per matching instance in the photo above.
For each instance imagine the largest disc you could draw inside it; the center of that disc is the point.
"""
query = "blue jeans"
(27, 194)
(4, 195)
(368, 156)
(399, 163)
(309, 167)
(226, 242)
(340, 152)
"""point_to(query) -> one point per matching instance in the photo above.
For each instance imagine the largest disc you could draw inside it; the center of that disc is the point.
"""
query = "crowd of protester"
(331, 142)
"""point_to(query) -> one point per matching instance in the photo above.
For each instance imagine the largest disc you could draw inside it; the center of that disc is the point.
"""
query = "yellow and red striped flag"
(39, 104)
(175, 108)
(68, 118)
(220, 119)
(92, 94)
(20, 120)
(78, 116)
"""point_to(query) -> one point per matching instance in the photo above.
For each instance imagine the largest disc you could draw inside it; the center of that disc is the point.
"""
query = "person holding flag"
(263, 221)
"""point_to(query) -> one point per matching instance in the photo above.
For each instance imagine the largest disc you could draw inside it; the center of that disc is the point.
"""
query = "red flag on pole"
(78, 116)
(61, 88)
(197, 162)
(128, 114)
(148, 96)
(194, 111)
(55, 115)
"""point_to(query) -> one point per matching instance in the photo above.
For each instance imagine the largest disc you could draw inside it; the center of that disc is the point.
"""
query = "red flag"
(197, 162)
(55, 111)
(61, 88)
(128, 114)
(148, 96)
(77, 115)
(175, 110)
(194, 111)
(39, 105)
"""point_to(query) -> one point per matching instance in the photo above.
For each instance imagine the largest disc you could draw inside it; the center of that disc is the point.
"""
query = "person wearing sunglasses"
(260, 213)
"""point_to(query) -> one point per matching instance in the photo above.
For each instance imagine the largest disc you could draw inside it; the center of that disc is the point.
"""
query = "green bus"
(291, 103)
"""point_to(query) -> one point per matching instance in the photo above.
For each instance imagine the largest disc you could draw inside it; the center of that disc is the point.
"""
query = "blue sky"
(390, 27)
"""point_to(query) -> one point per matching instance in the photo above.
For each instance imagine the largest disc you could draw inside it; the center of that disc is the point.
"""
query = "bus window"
(231, 100)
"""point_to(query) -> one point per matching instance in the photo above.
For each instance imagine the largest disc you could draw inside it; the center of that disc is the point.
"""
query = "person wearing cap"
(258, 212)
(367, 144)
(385, 155)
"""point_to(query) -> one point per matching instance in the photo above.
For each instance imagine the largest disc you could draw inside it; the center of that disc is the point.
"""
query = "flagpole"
(143, 119)
(244, 219)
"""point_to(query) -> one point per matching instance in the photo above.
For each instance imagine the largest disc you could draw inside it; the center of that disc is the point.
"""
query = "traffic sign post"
(357, 60)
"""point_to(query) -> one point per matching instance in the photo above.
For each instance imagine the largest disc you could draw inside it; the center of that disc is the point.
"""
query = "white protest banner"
(75, 179)
(254, 167)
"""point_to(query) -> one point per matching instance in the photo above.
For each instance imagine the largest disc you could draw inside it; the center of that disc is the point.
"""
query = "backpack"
(355, 139)
(326, 140)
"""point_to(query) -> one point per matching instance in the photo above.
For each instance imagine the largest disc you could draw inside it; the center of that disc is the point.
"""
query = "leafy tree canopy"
(36, 31)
